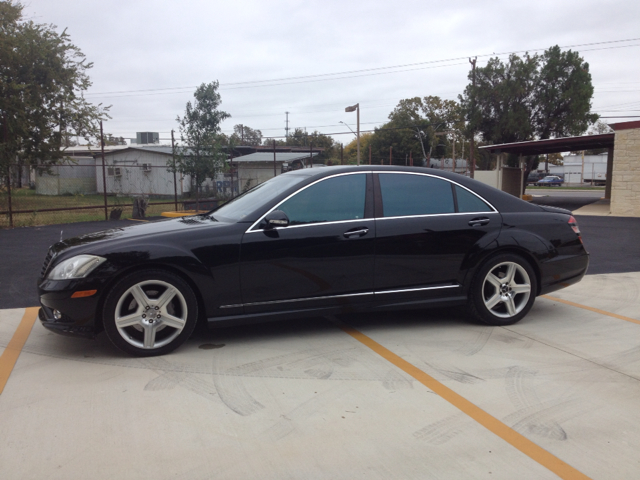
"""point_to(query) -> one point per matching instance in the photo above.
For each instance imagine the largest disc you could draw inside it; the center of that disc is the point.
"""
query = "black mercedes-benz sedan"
(314, 241)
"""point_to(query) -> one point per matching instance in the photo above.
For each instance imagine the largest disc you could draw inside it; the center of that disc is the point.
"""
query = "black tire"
(150, 312)
(503, 290)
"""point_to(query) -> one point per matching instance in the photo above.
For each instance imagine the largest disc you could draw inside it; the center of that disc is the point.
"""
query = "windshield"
(238, 208)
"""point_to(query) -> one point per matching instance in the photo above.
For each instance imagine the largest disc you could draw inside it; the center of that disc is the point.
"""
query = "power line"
(352, 73)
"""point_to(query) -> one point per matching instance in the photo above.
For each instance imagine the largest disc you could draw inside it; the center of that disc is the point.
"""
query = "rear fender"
(528, 245)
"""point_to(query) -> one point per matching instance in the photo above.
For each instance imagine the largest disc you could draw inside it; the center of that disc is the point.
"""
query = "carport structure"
(623, 161)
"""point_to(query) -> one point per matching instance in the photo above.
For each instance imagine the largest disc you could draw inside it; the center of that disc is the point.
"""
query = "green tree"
(42, 78)
(200, 154)
(417, 128)
(243, 136)
(533, 97)
(350, 150)
(301, 138)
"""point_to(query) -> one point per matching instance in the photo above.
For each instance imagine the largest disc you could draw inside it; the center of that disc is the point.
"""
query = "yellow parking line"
(526, 446)
(12, 352)
(591, 309)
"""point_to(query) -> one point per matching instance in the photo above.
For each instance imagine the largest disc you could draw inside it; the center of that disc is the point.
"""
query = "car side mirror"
(277, 218)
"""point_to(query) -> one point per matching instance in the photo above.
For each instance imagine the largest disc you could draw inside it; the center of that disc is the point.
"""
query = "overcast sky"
(149, 55)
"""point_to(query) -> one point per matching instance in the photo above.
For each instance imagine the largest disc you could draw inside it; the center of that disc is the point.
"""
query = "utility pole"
(241, 134)
(286, 128)
(390, 154)
(472, 158)
(175, 182)
(356, 108)
(341, 154)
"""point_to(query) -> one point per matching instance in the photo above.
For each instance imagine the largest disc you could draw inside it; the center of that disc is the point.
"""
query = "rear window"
(468, 202)
(410, 194)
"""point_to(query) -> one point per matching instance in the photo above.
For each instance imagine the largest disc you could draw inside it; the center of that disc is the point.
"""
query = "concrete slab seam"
(591, 309)
(491, 423)
(11, 353)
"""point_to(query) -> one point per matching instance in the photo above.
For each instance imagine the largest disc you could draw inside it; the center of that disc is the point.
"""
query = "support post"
(609, 179)
(104, 173)
(9, 195)
(274, 158)
(175, 180)
(358, 130)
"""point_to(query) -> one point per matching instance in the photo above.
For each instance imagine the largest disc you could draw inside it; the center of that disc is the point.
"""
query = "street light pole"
(356, 107)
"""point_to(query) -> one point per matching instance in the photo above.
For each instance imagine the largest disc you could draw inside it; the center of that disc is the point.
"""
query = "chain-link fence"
(79, 191)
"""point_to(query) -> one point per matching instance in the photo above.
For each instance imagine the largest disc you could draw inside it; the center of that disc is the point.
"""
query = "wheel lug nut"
(157, 308)
(144, 316)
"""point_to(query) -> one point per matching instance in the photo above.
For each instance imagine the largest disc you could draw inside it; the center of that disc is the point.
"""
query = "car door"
(323, 258)
(425, 228)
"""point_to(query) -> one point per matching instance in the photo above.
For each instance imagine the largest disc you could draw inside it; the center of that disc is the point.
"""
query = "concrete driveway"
(398, 395)
(412, 395)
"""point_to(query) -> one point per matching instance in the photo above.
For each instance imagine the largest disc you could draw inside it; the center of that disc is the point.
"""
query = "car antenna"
(60, 235)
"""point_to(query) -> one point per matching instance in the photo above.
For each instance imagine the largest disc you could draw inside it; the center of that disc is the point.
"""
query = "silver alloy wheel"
(147, 309)
(506, 289)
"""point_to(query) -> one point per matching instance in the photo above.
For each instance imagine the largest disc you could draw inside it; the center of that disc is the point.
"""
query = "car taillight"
(573, 223)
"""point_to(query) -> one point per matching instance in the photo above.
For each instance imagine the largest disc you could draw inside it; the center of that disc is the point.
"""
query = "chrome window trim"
(294, 300)
(381, 292)
(495, 210)
(314, 224)
(257, 222)
(436, 215)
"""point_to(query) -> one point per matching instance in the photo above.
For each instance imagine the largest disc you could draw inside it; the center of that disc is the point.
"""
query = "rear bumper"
(562, 272)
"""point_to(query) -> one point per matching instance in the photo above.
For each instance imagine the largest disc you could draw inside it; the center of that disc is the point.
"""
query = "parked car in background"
(310, 242)
(549, 181)
(533, 177)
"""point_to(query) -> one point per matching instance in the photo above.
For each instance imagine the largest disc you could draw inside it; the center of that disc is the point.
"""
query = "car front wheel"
(503, 290)
(151, 312)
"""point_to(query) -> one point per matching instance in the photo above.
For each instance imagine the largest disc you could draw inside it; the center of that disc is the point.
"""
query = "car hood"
(139, 231)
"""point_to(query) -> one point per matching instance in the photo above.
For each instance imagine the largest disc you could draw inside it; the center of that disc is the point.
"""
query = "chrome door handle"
(359, 232)
(477, 222)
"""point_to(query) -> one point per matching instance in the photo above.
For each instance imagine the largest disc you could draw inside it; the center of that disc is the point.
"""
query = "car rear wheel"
(503, 290)
(151, 312)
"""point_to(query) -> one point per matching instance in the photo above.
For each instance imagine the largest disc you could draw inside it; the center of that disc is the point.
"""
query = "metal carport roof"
(554, 145)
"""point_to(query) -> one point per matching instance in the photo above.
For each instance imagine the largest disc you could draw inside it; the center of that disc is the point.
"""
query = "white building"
(140, 171)
(259, 167)
(581, 168)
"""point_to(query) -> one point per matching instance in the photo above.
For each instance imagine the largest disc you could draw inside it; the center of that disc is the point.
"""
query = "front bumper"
(62, 327)
(77, 316)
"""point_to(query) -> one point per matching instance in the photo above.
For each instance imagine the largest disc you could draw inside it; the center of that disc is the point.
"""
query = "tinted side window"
(468, 202)
(330, 200)
(404, 194)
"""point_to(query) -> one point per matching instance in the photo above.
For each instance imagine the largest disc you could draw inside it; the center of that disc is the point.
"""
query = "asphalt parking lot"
(395, 395)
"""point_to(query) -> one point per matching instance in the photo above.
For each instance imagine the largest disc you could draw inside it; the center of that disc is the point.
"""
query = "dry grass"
(27, 199)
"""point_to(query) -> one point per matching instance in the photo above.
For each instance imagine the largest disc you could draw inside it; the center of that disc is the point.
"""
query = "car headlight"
(75, 267)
